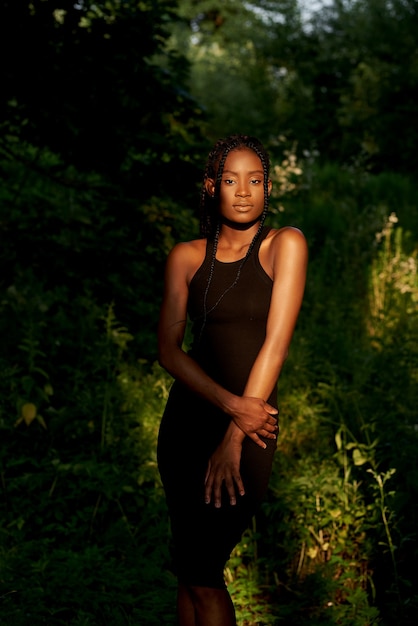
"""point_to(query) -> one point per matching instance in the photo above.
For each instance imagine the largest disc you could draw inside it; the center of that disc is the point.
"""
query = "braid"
(209, 216)
(211, 270)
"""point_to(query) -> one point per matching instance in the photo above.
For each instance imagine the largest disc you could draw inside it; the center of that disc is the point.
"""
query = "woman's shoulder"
(188, 249)
(187, 256)
(286, 244)
(285, 238)
(285, 233)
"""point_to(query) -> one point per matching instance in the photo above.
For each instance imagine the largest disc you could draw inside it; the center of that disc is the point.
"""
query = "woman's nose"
(243, 190)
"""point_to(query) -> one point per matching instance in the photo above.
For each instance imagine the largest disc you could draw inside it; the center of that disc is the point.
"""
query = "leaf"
(28, 413)
(350, 445)
(41, 421)
(338, 440)
(313, 552)
(49, 389)
(358, 457)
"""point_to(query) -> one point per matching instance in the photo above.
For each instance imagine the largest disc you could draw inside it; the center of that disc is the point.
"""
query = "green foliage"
(102, 149)
(337, 77)
(229, 44)
(96, 133)
(84, 516)
(99, 88)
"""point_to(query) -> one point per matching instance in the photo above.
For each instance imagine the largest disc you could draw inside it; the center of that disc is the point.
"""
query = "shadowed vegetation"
(105, 127)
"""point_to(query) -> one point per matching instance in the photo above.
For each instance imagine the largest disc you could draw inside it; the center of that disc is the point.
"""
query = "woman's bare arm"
(289, 256)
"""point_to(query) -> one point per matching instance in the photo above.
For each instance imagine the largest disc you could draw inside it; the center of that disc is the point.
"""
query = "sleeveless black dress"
(225, 346)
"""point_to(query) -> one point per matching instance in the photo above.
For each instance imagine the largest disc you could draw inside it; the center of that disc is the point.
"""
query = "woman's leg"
(213, 607)
(185, 607)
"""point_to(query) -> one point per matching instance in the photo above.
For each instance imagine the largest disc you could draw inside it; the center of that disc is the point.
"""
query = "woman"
(241, 285)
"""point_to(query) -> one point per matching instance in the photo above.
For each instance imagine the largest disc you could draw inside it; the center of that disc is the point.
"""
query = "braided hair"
(210, 219)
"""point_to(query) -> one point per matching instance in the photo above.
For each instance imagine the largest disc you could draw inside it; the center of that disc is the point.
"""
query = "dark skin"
(283, 255)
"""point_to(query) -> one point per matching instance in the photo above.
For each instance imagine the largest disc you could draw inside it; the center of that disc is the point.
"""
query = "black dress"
(225, 346)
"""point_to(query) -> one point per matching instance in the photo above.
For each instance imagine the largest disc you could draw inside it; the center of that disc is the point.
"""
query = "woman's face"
(242, 187)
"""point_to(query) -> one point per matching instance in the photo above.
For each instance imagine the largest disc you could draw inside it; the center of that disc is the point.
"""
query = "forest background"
(107, 112)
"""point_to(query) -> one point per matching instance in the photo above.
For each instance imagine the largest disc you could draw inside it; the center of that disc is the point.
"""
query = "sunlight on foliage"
(393, 281)
(285, 176)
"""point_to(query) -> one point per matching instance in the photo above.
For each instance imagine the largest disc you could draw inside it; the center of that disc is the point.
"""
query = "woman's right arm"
(252, 415)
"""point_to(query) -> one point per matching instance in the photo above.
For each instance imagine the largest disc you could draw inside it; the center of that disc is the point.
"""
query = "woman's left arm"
(288, 258)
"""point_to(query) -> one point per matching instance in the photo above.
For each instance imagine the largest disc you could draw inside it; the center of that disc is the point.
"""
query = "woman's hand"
(251, 417)
(224, 467)
(255, 417)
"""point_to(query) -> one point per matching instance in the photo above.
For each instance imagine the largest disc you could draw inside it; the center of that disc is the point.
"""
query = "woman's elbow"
(163, 357)
(167, 356)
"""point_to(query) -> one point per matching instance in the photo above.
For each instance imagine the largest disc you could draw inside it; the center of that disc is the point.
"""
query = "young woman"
(241, 285)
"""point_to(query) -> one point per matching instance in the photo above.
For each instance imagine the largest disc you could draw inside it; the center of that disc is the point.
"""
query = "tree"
(341, 79)
(356, 64)
(94, 82)
(97, 129)
(379, 107)
(228, 45)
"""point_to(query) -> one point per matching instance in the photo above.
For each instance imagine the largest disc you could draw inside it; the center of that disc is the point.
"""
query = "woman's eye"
(228, 181)
(255, 181)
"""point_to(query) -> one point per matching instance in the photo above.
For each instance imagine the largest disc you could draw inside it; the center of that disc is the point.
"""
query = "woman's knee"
(203, 595)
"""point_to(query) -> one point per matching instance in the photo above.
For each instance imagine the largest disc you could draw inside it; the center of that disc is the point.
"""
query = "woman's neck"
(233, 243)
(237, 226)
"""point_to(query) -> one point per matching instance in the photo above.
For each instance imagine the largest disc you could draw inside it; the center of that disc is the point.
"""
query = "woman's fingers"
(208, 483)
(213, 486)
(268, 434)
(257, 418)
(270, 409)
(239, 484)
(257, 440)
(270, 427)
(230, 488)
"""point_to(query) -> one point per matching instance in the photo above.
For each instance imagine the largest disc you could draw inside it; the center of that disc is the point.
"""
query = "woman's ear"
(210, 186)
(269, 186)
